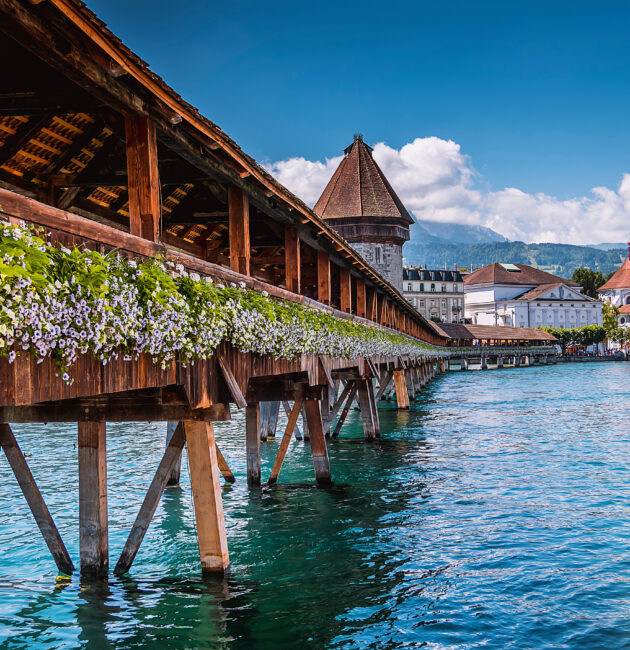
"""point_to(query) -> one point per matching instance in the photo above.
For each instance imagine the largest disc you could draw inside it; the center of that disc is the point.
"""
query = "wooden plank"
(286, 439)
(35, 501)
(224, 467)
(361, 298)
(252, 442)
(143, 180)
(401, 389)
(240, 249)
(272, 419)
(319, 451)
(384, 383)
(323, 277)
(292, 263)
(173, 477)
(264, 420)
(325, 372)
(152, 498)
(346, 290)
(296, 429)
(93, 542)
(206, 489)
(230, 380)
(336, 406)
(346, 409)
(367, 412)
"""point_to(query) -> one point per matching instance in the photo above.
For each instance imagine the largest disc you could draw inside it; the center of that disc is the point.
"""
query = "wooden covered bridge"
(101, 153)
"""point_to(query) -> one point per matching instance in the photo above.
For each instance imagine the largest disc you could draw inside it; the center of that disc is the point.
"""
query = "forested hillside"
(561, 259)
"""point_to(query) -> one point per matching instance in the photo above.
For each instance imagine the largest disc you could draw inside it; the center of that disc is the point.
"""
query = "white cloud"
(437, 182)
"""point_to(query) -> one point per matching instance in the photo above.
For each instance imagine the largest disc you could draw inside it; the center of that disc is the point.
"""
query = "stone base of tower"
(387, 259)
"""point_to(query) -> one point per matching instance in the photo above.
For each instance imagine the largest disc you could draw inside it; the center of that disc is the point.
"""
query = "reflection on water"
(494, 513)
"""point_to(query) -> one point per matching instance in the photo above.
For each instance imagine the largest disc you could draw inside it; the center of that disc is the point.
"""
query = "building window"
(432, 286)
(443, 288)
(422, 286)
(443, 303)
(410, 287)
(454, 287)
(422, 303)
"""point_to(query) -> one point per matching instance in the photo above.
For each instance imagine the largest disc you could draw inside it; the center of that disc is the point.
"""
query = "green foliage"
(587, 335)
(589, 280)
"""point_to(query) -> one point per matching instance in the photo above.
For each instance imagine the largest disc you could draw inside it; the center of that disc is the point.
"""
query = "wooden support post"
(33, 497)
(337, 405)
(240, 249)
(272, 419)
(401, 389)
(173, 477)
(230, 380)
(171, 456)
(143, 180)
(252, 435)
(346, 290)
(307, 436)
(224, 467)
(93, 544)
(296, 429)
(346, 408)
(367, 406)
(286, 439)
(410, 385)
(361, 298)
(264, 420)
(323, 277)
(318, 442)
(292, 259)
(384, 383)
(206, 489)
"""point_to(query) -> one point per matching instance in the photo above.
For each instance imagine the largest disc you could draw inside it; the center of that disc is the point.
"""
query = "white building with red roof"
(518, 295)
(617, 291)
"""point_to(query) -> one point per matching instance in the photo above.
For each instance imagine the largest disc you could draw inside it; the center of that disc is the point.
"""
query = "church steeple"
(362, 206)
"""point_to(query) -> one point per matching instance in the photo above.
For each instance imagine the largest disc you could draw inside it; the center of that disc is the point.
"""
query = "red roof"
(521, 274)
(624, 309)
(358, 188)
(621, 279)
(494, 332)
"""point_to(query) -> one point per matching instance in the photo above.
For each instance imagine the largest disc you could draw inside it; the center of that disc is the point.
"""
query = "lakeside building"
(617, 292)
(518, 295)
(437, 294)
(361, 205)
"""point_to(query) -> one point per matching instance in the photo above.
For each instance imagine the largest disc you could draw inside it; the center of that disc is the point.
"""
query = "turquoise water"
(494, 514)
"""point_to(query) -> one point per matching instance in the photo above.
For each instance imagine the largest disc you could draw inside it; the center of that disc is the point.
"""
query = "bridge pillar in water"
(464, 364)
(206, 489)
(402, 396)
(484, 362)
(93, 538)
(499, 362)
(517, 361)
(367, 405)
(252, 443)
(173, 478)
(319, 451)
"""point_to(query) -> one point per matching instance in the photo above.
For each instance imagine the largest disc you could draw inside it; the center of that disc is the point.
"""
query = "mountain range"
(440, 245)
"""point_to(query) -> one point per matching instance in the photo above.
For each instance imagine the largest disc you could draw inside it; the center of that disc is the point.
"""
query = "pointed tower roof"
(359, 189)
(621, 278)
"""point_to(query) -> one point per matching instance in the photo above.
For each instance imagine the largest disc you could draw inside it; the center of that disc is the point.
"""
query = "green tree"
(589, 280)
(609, 316)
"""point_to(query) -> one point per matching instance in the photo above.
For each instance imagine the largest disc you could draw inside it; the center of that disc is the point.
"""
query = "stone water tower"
(361, 205)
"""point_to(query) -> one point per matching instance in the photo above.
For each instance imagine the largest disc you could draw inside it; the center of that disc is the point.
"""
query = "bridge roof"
(495, 332)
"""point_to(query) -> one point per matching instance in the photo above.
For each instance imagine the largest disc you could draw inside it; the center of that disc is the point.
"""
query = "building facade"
(517, 295)
(361, 205)
(617, 292)
(437, 294)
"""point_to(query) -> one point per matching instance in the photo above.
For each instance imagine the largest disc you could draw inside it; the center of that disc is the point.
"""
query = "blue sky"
(536, 94)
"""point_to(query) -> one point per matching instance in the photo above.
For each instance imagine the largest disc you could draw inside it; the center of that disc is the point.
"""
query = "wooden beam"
(336, 406)
(224, 467)
(296, 428)
(384, 383)
(34, 499)
(318, 442)
(206, 489)
(143, 180)
(402, 395)
(231, 382)
(346, 290)
(93, 542)
(346, 408)
(286, 439)
(240, 248)
(361, 302)
(370, 427)
(173, 477)
(22, 136)
(323, 277)
(252, 442)
(154, 493)
(292, 259)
